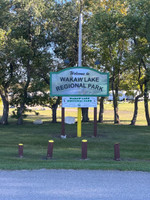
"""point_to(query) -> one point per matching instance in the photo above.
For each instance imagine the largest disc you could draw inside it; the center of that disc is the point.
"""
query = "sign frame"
(79, 102)
(77, 68)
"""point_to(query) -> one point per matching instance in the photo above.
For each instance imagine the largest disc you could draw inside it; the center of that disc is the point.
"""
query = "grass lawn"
(134, 143)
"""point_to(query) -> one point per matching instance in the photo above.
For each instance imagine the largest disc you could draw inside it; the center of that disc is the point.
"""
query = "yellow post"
(79, 123)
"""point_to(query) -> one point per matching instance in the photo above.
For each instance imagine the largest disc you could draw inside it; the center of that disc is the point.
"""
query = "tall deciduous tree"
(31, 46)
(137, 25)
(65, 36)
(6, 62)
(108, 40)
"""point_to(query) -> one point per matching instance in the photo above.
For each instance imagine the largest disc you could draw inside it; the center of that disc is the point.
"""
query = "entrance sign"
(79, 81)
(80, 102)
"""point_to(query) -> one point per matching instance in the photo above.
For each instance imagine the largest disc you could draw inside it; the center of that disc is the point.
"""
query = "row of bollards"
(83, 154)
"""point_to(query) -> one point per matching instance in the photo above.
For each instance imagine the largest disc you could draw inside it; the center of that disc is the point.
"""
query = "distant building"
(123, 95)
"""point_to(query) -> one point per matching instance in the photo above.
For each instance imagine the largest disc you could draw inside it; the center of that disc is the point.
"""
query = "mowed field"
(125, 113)
(134, 142)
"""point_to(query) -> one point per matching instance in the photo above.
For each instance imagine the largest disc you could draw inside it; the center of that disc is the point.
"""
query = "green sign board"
(79, 81)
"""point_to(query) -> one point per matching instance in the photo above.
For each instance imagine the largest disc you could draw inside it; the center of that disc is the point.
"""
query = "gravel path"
(74, 185)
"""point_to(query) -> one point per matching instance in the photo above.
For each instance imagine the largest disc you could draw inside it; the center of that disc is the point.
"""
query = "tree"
(65, 37)
(108, 40)
(6, 61)
(137, 27)
(31, 47)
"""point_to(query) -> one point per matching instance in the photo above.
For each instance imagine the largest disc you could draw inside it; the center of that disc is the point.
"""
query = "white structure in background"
(123, 96)
(38, 121)
(69, 120)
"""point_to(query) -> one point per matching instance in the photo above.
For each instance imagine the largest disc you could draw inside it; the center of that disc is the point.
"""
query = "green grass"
(134, 142)
(125, 113)
(134, 147)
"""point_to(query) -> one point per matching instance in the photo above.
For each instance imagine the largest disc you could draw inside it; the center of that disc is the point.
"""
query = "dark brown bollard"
(62, 122)
(50, 149)
(84, 149)
(20, 150)
(95, 122)
(117, 152)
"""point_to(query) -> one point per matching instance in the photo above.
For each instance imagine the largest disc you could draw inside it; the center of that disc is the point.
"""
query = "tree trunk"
(4, 119)
(116, 116)
(19, 113)
(115, 96)
(115, 103)
(133, 121)
(54, 113)
(146, 104)
(85, 117)
(54, 110)
(101, 112)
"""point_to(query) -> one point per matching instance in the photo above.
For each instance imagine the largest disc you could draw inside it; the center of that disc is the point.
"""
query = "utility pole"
(80, 37)
(79, 134)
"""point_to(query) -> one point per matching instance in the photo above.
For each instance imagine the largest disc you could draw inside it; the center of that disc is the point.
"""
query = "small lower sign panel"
(80, 102)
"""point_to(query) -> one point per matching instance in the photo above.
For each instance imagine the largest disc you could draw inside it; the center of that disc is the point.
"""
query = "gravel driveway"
(74, 185)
